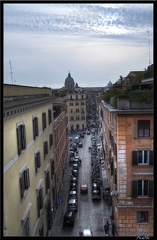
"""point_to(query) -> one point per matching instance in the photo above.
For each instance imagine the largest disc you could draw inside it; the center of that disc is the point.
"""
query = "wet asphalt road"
(90, 214)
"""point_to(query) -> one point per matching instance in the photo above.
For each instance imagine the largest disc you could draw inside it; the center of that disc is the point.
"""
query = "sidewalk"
(63, 195)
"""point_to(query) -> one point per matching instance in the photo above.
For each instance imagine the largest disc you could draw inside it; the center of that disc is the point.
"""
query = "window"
(82, 97)
(71, 110)
(49, 116)
(35, 127)
(71, 97)
(52, 168)
(143, 128)
(77, 104)
(24, 181)
(45, 148)
(39, 200)
(47, 180)
(77, 110)
(71, 104)
(37, 161)
(44, 120)
(26, 221)
(51, 139)
(21, 138)
(82, 103)
(76, 96)
(142, 188)
(142, 157)
(48, 215)
(71, 118)
(83, 118)
(77, 118)
(142, 217)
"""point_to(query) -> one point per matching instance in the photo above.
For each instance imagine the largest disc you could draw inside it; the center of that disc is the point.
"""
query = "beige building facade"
(28, 161)
(76, 110)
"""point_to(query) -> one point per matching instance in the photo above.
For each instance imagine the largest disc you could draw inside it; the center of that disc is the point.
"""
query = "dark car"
(96, 194)
(82, 135)
(73, 187)
(73, 194)
(69, 218)
(72, 154)
(75, 166)
(75, 173)
(80, 144)
(73, 179)
(95, 186)
(72, 205)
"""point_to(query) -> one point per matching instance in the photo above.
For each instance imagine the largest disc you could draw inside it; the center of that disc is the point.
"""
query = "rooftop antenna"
(11, 71)
(149, 46)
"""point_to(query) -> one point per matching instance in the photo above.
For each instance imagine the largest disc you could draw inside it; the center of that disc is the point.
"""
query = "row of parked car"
(72, 203)
(95, 176)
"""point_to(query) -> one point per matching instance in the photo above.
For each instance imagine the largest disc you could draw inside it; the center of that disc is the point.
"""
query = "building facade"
(28, 161)
(61, 137)
(127, 137)
(76, 110)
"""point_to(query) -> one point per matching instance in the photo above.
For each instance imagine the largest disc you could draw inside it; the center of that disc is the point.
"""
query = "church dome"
(69, 82)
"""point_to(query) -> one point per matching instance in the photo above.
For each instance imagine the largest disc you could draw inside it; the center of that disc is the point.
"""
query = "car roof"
(72, 192)
(72, 200)
(87, 232)
(84, 185)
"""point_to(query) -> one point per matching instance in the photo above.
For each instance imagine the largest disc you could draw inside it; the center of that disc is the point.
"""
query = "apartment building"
(127, 137)
(76, 110)
(60, 125)
(28, 161)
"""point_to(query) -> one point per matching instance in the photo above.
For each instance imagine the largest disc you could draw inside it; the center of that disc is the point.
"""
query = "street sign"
(60, 200)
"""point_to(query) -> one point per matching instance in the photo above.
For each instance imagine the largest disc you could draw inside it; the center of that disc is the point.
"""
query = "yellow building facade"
(28, 163)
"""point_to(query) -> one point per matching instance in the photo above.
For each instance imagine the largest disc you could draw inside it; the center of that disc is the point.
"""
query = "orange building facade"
(128, 143)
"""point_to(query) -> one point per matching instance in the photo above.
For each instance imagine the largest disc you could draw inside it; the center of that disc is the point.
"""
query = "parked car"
(75, 173)
(96, 194)
(73, 186)
(75, 166)
(69, 218)
(84, 188)
(95, 186)
(86, 233)
(72, 205)
(72, 154)
(82, 135)
(73, 179)
(80, 144)
(88, 132)
(73, 194)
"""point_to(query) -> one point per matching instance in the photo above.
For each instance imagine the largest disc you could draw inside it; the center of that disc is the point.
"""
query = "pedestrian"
(106, 228)
(113, 228)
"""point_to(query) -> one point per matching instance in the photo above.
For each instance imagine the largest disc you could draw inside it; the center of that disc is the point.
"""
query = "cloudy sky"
(95, 42)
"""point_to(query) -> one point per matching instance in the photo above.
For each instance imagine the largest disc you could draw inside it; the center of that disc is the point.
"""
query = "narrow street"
(90, 214)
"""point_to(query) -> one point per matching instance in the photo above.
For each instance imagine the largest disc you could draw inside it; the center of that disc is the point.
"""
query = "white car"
(86, 233)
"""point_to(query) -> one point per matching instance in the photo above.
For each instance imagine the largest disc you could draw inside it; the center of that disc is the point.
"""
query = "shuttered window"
(142, 217)
(47, 180)
(142, 157)
(39, 200)
(142, 188)
(37, 162)
(35, 127)
(45, 148)
(48, 215)
(144, 128)
(52, 168)
(51, 139)
(21, 138)
(44, 120)
(50, 116)
(24, 182)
